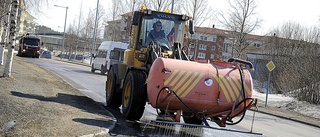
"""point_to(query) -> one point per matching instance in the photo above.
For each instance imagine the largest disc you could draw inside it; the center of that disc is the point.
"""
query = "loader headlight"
(141, 56)
(184, 17)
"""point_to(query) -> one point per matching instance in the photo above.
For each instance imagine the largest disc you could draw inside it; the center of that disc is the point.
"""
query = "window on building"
(213, 48)
(201, 55)
(203, 38)
(193, 36)
(257, 45)
(250, 59)
(214, 39)
(212, 56)
(192, 45)
(226, 47)
(202, 47)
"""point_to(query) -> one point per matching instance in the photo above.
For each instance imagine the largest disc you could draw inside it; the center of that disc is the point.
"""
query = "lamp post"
(64, 28)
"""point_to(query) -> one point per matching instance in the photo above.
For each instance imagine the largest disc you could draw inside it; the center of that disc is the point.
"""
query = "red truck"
(29, 45)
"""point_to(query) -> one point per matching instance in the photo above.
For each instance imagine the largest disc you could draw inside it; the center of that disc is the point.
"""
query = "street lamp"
(64, 28)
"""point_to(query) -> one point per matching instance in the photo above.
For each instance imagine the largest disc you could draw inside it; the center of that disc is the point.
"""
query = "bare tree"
(158, 5)
(295, 51)
(198, 9)
(241, 19)
(36, 6)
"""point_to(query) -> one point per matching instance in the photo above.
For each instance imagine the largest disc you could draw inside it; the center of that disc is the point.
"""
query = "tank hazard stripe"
(234, 86)
(226, 82)
(223, 88)
(187, 84)
(195, 82)
(231, 87)
(170, 77)
(177, 77)
(181, 81)
(246, 87)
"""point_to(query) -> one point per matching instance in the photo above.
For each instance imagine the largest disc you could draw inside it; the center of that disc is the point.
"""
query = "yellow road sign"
(271, 66)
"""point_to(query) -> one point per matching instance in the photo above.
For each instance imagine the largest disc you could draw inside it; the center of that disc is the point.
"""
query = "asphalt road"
(93, 84)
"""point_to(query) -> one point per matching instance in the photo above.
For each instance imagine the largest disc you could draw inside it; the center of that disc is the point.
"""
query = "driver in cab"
(156, 33)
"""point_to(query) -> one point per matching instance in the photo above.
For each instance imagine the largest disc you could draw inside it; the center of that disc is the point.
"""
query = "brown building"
(206, 44)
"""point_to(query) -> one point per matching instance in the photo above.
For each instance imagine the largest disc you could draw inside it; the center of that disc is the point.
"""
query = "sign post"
(270, 67)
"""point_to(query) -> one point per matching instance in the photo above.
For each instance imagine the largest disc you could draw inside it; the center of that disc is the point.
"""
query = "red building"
(206, 44)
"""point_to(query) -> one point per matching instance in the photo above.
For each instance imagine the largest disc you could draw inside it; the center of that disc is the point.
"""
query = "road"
(93, 85)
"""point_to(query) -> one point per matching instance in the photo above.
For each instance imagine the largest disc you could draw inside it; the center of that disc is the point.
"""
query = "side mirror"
(191, 27)
(41, 43)
(92, 55)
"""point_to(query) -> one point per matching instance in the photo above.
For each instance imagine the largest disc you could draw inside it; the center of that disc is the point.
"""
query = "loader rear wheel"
(113, 94)
(191, 119)
(134, 95)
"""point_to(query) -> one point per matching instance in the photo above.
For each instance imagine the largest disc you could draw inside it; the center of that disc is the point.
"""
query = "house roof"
(113, 21)
(226, 33)
(127, 14)
(211, 31)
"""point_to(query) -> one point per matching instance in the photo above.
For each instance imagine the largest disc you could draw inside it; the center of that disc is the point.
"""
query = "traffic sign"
(271, 66)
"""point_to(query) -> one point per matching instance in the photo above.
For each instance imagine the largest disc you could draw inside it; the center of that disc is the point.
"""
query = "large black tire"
(92, 68)
(134, 95)
(103, 70)
(113, 94)
(191, 119)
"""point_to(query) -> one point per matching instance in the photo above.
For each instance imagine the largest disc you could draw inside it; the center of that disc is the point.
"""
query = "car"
(65, 56)
(46, 54)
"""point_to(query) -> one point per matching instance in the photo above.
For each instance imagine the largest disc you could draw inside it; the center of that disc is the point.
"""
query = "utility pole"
(5, 31)
(12, 37)
(94, 33)
(64, 28)
(78, 37)
(172, 4)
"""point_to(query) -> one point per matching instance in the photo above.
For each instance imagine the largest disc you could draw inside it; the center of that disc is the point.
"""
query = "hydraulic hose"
(239, 103)
(203, 119)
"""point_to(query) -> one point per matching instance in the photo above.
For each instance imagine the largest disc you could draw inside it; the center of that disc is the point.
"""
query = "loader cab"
(145, 46)
(172, 28)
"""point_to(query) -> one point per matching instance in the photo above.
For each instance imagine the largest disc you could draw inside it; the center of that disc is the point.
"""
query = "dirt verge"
(35, 102)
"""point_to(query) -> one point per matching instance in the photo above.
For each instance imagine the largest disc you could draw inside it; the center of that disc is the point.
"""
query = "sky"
(272, 12)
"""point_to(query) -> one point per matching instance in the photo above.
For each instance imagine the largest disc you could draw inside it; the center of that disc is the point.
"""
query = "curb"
(287, 118)
(71, 61)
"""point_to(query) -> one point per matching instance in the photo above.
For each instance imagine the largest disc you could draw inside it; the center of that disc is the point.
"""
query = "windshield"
(30, 41)
(163, 30)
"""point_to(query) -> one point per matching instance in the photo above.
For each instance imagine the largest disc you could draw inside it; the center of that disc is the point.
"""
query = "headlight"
(141, 56)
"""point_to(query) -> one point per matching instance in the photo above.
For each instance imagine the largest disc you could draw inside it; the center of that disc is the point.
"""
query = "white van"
(101, 59)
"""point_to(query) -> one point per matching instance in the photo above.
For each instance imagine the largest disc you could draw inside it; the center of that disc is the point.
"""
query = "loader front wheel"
(113, 94)
(134, 95)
